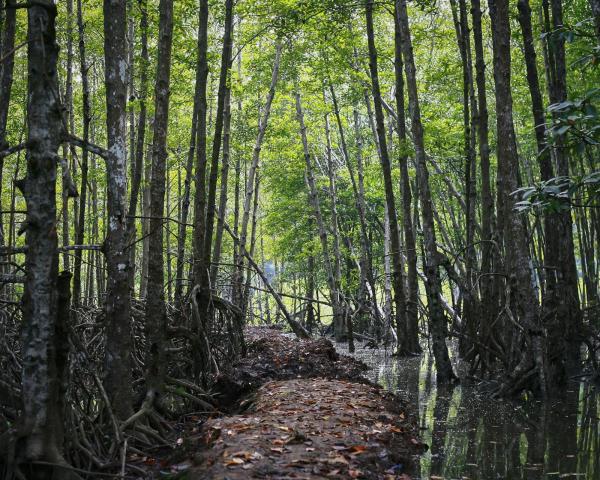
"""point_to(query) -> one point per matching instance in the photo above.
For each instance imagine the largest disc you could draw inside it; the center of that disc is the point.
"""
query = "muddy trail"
(299, 410)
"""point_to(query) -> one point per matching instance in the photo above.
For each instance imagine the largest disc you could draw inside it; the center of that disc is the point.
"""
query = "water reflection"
(472, 436)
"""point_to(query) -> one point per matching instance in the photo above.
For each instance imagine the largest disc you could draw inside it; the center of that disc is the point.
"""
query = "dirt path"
(307, 414)
(309, 429)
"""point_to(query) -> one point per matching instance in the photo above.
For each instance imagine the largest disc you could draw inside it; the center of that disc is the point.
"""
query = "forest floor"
(299, 410)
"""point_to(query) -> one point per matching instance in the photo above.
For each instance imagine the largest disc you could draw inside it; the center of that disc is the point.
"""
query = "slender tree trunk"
(118, 296)
(487, 281)
(156, 312)
(201, 160)
(67, 119)
(138, 164)
(337, 268)
(564, 330)
(411, 340)
(252, 173)
(310, 293)
(397, 270)
(221, 215)
(147, 160)
(431, 267)
(6, 80)
(314, 203)
(551, 290)
(387, 270)
(199, 106)
(200, 176)
(459, 14)
(366, 262)
(205, 262)
(87, 117)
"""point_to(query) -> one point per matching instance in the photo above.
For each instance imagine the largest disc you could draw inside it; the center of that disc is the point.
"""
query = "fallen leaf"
(358, 449)
(338, 459)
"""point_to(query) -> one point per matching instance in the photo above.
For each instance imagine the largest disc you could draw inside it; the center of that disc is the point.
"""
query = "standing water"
(473, 436)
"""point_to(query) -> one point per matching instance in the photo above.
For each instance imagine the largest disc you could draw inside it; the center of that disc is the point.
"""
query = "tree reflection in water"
(474, 436)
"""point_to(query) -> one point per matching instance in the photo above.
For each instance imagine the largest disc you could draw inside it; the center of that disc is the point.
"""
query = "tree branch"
(90, 147)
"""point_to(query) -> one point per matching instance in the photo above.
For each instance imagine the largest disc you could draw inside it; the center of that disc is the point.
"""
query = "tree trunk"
(366, 262)
(156, 311)
(314, 203)
(523, 302)
(487, 282)
(565, 326)
(238, 280)
(205, 261)
(6, 80)
(138, 163)
(411, 340)
(337, 268)
(469, 315)
(68, 124)
(386, 167)
(87, 117)
(199, 97)
(222, 213)
(431, 267)
(41, 354)
(117, 358)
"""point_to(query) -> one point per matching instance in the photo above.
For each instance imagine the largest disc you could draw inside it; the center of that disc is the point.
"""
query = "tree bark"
(6, 80)
(40, 384)
(204, 266)
(386, 167)
(199, 97)
(138, 159)
(214, 268)
(341, 331)
(522, 299)
(117, 358)
(156, 310)
(431, 267)
(565, 326)
(201, 160)
(238, 280)
(336, 305)
(469, 314)
(411, 340)
(87, 117)
(487, 281)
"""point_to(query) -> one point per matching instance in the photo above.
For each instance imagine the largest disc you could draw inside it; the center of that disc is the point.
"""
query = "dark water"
(472, 436)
